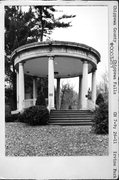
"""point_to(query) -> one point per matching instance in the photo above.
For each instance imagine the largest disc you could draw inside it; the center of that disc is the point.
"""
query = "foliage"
(103, 86)
(68, 97)
(8, 108)
(11, 117)
(99, 99)
(41, 99)
(35, 115)
(9, 104)
(18, 28)
(18, 31)
(100, 123)
(42, 85)
(46, 21)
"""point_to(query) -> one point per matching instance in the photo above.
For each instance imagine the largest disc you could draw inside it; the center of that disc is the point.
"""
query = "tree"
(18, 31)
(99, 99)
(46, 22)
(103, 86)
(68, 97)
(26, 27)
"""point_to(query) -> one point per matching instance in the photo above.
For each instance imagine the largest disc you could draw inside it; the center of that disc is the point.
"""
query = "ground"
(25, 140)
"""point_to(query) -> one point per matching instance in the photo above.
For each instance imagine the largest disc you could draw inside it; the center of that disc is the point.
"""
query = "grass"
(25, 140)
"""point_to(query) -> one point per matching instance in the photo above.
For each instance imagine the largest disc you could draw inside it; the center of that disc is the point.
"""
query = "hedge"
(35, 115)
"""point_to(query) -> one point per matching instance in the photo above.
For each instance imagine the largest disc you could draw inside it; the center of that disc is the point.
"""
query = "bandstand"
(55, 59)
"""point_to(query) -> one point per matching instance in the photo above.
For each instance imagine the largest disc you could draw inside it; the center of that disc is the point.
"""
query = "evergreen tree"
(18, 31)
(46, 21)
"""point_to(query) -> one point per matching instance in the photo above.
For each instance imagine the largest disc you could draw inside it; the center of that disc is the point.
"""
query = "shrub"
(100, 123)
(41, 99)
(35, 115)
(11, 117)
(7, 109)
(99, 99)
(8, 116)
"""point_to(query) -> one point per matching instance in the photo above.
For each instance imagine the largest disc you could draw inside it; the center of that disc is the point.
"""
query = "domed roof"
(68, 58)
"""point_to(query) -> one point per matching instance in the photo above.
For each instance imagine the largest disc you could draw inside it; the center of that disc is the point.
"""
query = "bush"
(11, 118)
(35, 115)
(100, 123)
(41, 99)
(7, 109)
(100, 99)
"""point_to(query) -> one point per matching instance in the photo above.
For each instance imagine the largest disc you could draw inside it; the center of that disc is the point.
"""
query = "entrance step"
(71, 117)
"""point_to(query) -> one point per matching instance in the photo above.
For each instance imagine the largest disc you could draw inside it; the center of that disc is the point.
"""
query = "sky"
(90, 27)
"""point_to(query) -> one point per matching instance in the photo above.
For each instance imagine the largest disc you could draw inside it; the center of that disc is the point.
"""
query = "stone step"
(70, 111)
(71, 117)
(71, 114)
(71, 123)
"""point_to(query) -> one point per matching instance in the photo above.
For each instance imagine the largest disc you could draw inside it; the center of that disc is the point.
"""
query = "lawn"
(25, 140)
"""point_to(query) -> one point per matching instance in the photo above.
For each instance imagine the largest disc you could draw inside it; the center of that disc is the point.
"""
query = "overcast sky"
(90, 27)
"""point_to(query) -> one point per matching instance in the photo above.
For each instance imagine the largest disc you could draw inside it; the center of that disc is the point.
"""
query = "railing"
(29, 102)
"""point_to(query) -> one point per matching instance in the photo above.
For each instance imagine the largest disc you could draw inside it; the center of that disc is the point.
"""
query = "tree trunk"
(42, 25)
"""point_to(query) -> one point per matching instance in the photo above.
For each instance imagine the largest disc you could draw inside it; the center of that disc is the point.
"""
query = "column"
(94, 86)
(50, 83)
(21, 86)
(17, 90)
(80, 91)
(84, 85)
(34, 91)
(58, 93)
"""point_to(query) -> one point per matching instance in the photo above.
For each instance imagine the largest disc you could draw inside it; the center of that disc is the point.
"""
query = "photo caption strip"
(113, 67)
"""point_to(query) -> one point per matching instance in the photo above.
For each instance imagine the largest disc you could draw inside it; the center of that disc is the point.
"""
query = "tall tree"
(18, 31)
(46, 21)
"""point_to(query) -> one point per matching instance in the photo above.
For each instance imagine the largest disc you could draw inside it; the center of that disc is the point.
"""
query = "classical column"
(17, 88)
(94, 86)
(84, 85)
(50, 83)
(80, 91)
(21, 86)
(58, 93)
(34, 91)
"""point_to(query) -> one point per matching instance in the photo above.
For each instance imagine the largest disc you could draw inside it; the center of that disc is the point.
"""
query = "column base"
(51, 108)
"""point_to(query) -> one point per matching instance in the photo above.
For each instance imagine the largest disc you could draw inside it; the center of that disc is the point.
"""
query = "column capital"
(94, 70)
(85, 62)
(22, 63)
(34, 77)
(51, 58)
(58, 78)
